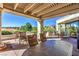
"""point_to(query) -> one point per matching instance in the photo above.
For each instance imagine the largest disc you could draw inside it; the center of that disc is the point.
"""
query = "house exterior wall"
(66, 19)
(67, 26)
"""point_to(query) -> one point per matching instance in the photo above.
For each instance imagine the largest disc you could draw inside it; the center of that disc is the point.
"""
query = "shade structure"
(41, 10)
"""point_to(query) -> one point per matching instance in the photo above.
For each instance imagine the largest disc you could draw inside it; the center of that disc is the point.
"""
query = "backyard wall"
(13, 36)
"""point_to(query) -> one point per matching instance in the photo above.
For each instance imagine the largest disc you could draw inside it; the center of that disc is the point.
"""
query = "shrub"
(4, 32)
(17, 31)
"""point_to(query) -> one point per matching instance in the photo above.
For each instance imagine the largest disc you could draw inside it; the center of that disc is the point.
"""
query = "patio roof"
(41, 10)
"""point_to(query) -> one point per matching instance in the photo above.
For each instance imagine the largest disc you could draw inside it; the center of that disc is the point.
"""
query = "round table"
(50, 48)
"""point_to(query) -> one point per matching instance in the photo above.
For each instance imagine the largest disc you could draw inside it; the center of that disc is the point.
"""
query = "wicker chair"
(17, 34)
(22, 37)
(32, 40)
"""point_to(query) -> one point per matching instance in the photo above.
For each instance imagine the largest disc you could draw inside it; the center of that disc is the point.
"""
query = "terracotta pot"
(2, 48)
(43, 37)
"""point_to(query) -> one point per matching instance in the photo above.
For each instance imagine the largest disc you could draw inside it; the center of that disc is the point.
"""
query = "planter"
(61, 35)
(3, 47)
(43, 37)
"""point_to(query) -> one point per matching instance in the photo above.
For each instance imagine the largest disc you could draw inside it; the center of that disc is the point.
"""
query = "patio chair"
(32, 40)
(17, 34)
(22, 37)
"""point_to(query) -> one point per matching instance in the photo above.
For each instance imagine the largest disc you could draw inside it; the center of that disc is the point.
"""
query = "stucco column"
(2, 45)
(0, 23)
(39, 28)
(41, 25)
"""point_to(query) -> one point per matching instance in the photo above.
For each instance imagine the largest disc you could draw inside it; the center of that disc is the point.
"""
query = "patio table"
(50, 48)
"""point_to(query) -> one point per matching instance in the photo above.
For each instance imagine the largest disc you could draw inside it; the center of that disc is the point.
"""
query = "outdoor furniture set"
(31, 39)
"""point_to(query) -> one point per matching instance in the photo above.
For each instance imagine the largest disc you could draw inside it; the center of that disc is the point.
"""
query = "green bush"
(17, 31)
(72, 31)
(6, 32)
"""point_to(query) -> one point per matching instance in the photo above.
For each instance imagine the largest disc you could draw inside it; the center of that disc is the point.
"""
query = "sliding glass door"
(71, 28)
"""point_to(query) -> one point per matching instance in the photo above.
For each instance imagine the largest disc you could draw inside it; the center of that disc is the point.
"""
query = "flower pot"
(3, 47)
(42, 37)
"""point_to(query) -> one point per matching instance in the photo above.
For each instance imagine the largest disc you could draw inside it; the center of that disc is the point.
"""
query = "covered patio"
(41, 12)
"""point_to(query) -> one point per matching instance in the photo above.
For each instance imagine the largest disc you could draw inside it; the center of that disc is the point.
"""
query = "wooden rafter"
(63, 13)
(55, 7)
(18, 13)
(1, 5)
(26, 9)
(63, 10)
(44, 11)
(40, 8)
(16, 5)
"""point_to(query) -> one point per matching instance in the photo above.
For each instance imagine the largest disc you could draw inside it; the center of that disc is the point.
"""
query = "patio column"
(0, 22)
(78, 36)
(2, 45)
(41, 25)
(40, 29)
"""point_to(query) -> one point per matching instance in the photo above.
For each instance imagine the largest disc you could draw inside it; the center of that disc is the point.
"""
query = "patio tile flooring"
(18, 50)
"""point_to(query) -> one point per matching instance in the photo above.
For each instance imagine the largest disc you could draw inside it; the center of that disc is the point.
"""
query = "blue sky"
(51, 22)
(12, 20)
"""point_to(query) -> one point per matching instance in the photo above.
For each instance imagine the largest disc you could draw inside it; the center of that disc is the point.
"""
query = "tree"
(34, 29)
(49, 29)
(26, 27)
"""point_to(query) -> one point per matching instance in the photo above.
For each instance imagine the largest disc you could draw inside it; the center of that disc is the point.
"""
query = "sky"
(11, 20)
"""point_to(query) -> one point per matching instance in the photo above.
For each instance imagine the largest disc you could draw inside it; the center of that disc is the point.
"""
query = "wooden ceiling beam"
(1, 5)
(53, 8)
(18, 13)
(16, 5)
(63, 14)
(42, 7)
(26, 9)
(62, 10)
